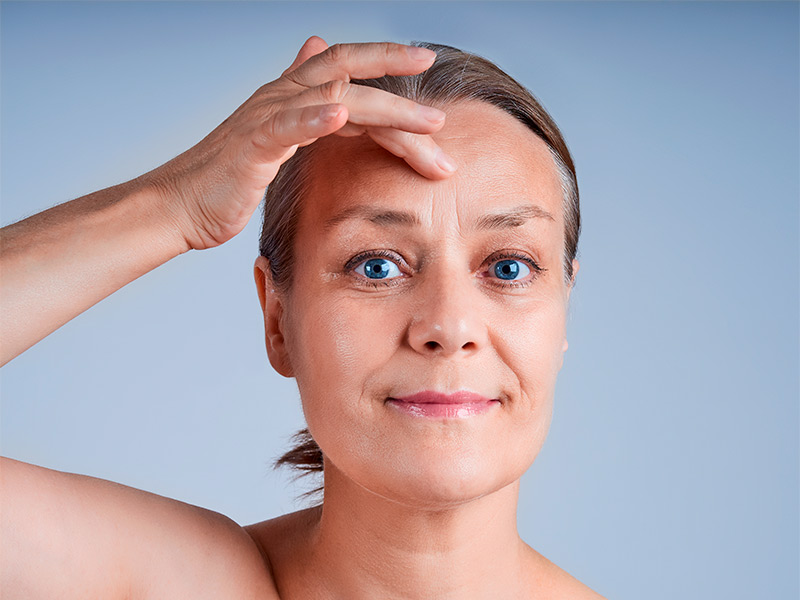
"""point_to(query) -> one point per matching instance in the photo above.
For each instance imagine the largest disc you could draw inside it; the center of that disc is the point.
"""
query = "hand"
(211, 190)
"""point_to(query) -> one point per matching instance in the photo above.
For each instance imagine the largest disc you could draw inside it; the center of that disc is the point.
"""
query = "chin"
(438, 484)
(429, 467)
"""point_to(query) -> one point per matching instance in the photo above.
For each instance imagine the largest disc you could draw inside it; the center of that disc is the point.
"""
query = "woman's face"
(403, 285)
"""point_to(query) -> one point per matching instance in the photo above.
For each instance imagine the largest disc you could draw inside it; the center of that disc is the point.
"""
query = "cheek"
(338, 348)
(530, 340)
(531, 347)
(339, 342)
(341, 348)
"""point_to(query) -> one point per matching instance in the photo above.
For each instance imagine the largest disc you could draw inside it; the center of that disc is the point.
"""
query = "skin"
(71, 536)
(416, 507)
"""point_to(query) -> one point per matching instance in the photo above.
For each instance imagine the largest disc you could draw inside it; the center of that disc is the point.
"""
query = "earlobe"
(272, 306)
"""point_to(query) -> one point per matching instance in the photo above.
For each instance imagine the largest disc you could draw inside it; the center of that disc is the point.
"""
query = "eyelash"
(354, 262)
(375, 283)
(536, 270)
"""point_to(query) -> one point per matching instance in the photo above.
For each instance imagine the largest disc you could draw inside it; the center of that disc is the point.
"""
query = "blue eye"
(378, 268)
(509, 269)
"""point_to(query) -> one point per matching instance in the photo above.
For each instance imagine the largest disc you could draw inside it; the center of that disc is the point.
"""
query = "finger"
(362, 61)
(370, 107)
(297, 127)
(420, 151)
(350, 130)
(312, 46)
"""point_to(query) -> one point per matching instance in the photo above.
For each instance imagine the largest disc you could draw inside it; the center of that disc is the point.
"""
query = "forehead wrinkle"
(495, 169)
(387, 217)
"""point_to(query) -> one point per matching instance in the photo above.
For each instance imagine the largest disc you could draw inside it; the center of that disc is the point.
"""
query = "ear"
(272, 305)
(575, 267)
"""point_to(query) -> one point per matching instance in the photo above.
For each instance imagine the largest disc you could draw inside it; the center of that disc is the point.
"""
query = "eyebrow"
(379, 216)
(513, 217)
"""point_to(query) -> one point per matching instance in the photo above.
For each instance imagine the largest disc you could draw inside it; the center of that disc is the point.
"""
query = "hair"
(455, 76)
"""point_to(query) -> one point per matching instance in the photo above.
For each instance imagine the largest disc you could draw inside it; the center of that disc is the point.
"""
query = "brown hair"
(454, 76)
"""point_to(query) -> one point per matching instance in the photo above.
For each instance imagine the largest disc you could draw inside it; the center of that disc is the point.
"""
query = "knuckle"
(398, 104)
(390, 51)
(336, 53)
(416, 143)
(421, 147)
(266, 95)
(334, 91)
(398, 143)
(269, 128)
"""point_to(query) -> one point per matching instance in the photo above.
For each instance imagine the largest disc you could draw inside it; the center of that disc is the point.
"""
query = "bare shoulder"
(554, 583)
(285, 543)
(283, 538)
(76, 537)
(211, 556)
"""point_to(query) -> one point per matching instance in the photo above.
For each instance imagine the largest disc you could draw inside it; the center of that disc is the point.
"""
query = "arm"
(58, 263)
(71, 536)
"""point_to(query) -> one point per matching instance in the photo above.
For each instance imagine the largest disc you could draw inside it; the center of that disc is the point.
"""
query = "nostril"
(432, 345)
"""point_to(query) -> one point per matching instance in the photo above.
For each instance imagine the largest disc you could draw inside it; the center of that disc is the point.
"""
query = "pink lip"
(435, 404)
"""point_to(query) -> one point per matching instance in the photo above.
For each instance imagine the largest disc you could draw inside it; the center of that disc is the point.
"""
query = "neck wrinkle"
(365, 546)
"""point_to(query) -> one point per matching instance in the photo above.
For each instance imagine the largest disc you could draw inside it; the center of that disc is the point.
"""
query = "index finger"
(362, 61)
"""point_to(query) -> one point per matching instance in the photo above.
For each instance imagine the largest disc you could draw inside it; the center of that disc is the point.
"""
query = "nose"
(449, 320)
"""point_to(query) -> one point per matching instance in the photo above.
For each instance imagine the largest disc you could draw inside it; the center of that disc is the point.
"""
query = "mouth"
(431, 404)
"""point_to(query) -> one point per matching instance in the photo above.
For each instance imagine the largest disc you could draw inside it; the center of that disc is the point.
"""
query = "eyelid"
(514, 255)
(367, 254)
(362, 257)
(535, 269)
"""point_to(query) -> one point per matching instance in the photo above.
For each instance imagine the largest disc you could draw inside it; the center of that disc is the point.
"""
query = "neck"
(365, 546)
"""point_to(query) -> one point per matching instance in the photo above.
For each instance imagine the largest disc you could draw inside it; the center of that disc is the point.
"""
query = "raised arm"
(58, 263)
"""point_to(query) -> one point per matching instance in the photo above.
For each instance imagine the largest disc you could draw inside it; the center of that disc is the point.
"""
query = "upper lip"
(430, 397)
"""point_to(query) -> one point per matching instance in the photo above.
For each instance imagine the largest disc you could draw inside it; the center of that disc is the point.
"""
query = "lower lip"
(449, 411)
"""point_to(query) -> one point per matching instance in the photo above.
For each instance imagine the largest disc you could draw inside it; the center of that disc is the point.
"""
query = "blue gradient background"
(671, 470)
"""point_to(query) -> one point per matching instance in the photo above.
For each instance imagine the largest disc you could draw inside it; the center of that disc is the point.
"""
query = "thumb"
(313, 46)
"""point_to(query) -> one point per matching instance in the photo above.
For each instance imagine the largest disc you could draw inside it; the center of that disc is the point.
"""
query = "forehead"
(501, 165)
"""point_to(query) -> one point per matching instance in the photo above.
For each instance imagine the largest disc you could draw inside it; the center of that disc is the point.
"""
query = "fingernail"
(434, 115)
(420, 53)
(330, 112)
(444, 162)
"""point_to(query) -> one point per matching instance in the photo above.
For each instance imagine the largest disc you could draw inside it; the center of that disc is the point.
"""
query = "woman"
(422, 314)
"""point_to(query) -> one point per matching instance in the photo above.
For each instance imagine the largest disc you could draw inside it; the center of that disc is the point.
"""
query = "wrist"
(154, 206)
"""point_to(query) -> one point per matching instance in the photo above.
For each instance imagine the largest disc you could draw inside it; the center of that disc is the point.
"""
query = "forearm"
(56, 264)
